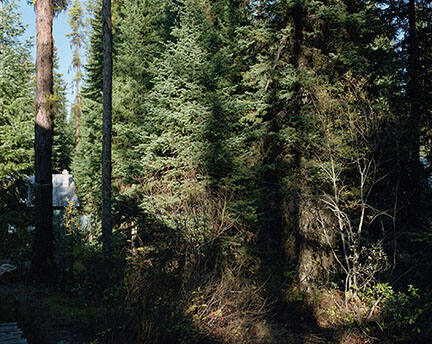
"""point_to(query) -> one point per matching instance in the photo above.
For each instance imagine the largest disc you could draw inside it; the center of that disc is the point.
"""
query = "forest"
(246, 172)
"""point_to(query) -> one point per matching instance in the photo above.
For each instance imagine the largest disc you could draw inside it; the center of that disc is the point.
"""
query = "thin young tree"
(106, 128)
(1, 28)
(76, 22)
(414, 95)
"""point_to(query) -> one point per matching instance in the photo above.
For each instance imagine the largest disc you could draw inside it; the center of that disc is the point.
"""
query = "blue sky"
(60, 29)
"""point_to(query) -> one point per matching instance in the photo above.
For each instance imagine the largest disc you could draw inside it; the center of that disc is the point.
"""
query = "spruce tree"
(92, 87)
(301, 50)
(63, 137)
(86, 159)
(16, 92)
(16, 119)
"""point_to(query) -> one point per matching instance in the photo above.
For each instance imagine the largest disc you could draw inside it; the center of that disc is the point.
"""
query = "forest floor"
(50, 316)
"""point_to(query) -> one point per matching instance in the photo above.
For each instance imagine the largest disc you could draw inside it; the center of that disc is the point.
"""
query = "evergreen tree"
(43, 265)
(424, 35)
(43, 251)
(16, 119)
(86, 159)
(16, 92)
(63, 137)
(94, 67)
(76, 22)
(266, 134)
(142, 30)
(107, 129)
(190, 119)
(301, 50)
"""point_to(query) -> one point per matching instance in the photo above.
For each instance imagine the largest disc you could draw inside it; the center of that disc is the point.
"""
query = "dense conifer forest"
(269, 174)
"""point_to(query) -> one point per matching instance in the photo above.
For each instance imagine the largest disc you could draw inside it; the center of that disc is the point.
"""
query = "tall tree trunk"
(414, 95)
(77, 40)
(43, 268)
(77, 114)
(1, 23)
(77, 104)
(106, 128)
(1, 33)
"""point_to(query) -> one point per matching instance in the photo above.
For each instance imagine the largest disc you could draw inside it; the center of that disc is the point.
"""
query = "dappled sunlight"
(228, 172)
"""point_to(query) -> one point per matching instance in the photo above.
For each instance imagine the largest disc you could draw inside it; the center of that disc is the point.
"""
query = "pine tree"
(16, 119)
(303, 50)
(190, 114)
(414, 96)
(86, 159)
(142, 31)
(424, 35)
(107, 128)
(43, 260)
(94, 67)
(43, 265)
(16, 91)
(76, 22)
(63, 137)
(409, 101)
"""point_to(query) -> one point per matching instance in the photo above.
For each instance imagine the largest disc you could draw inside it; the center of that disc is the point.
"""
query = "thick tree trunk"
(314, 252)
(43, 268)
(106, 128)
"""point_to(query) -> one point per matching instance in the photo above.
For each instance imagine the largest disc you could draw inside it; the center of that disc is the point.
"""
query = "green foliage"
(406, 314)
(256, 145)
(94, 68)
(17, 130)
(77, 24)
(63, 141)
(87, 157)
(16, 98)
(16, 135)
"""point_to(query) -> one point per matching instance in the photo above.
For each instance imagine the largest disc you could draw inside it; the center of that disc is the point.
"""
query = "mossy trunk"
(315, 237)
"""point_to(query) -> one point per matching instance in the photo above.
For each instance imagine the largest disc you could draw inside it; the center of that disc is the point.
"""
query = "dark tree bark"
(43, 268)
(106, 128)
(414, 95)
